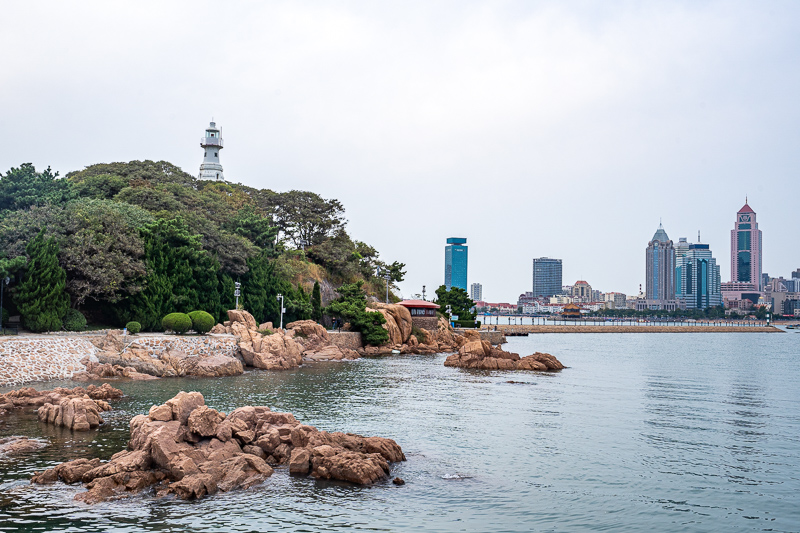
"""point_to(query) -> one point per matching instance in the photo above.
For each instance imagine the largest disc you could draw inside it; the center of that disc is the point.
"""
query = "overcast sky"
(560, 129)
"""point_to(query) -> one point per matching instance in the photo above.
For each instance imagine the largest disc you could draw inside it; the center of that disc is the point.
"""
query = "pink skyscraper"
(746, 249)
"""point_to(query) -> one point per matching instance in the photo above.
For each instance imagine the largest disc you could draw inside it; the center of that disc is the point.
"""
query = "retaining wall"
(346, 339)
(24, 359)
(205, 345)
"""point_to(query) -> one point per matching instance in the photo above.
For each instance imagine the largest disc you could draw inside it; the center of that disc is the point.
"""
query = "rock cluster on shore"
(479, 354)
(77, 414)
(263, 347)
(30, 397)
(131, 360)
(185, 448)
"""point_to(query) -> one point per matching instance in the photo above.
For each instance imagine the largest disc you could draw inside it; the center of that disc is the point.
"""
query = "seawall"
(47, 357)
(346, 339)
(521, 329)
(24, 359)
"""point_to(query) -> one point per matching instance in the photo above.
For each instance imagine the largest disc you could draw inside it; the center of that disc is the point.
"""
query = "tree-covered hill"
(143, 239)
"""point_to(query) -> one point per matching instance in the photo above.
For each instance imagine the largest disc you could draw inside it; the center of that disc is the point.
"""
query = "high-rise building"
(476, 292)
(746, 249)
(455, 263)
(211, 169)
(581, 291)
(546, 277)
(796, 274)
(660, 256)
(697, 278)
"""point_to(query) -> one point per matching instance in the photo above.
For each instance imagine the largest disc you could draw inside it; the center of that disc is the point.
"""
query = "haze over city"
(547, 129)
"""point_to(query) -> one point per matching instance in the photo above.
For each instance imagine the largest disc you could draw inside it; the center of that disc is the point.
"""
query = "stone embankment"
(26, 359)
(480, 354)
(517, 328)
(185, 448)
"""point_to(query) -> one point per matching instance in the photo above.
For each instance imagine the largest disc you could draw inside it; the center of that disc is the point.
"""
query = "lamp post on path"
(280, 299)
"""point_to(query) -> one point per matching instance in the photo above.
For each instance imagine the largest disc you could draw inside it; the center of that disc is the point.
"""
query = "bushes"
(177, 322)
(74, 320)
(202, 322)
(133, 327)
(467, 323)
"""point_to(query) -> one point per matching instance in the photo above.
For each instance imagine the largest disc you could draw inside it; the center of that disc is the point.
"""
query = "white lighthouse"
(211, 169)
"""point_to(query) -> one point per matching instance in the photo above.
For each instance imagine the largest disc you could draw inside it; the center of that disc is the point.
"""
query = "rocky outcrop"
(316, 342)
(262, 347)
(17, 445)
(480, 354)
(130, 359)
(30, 397)
(77, 414)
(398, 321)
(188, 449)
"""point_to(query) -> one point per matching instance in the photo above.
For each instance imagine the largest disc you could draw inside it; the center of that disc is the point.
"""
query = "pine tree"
(41, 298)
(316, 302)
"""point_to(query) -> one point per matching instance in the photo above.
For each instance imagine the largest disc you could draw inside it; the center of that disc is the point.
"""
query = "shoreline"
(522, 329)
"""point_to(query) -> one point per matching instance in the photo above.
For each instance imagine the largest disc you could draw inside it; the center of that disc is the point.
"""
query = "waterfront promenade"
(519, 329)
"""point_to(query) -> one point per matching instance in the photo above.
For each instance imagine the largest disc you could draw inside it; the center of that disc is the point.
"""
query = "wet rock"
(398, 481)
(17, 445)
(482, 356)
(188, 449)
(77, 414)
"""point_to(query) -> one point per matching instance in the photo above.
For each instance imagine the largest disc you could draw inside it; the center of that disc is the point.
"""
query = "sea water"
(658, 432)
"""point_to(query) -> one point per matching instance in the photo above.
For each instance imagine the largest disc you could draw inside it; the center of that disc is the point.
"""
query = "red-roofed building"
(423, 313)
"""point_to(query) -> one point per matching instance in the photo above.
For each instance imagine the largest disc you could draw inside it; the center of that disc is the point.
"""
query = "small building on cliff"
(423, 314)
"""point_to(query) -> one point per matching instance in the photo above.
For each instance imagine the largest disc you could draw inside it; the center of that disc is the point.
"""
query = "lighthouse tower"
(211, 169)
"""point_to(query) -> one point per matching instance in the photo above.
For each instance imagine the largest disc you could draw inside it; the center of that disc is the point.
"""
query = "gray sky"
(561, 129)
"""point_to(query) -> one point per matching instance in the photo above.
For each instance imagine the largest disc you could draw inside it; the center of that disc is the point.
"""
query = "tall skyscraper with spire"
(660, 283)
(211, 169)
(746, 249)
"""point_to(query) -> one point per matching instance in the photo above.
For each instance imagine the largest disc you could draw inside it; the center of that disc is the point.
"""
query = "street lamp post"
(237, 293)
(386, 277)
(280, 299)
(2, 287)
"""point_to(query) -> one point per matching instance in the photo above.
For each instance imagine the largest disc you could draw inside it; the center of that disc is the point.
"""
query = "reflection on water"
(669, 432)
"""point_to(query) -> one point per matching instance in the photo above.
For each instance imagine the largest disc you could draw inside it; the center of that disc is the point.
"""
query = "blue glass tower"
(455, 263)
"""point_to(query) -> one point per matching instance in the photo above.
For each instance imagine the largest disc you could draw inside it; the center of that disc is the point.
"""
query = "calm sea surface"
(659, 432)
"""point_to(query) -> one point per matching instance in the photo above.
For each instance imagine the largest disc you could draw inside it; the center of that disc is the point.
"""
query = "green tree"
(351, 305)
(181, 276)
(305, 218)
(459, 301)
(41, 298)
(23, 187)
(316, 302)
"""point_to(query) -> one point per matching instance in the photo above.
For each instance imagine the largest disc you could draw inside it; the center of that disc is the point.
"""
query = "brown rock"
(185, 456)
(242, 317)
(183, 404)
(300, 461)
(204, 421)
(18, 445)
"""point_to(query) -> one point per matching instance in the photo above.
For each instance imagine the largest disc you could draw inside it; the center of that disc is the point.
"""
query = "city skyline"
(552, 125)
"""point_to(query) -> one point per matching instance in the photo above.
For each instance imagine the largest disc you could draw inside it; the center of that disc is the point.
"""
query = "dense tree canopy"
(459, 301)
(143, 239)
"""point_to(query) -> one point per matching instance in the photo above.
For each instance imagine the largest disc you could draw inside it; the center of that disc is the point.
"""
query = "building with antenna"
(697, 278)
(660, 280)
(746, 249)
(211, 168)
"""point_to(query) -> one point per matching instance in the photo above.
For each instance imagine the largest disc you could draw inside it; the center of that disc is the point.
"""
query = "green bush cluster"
(351, 306)
(133, 327)
(202, 322)
(74, 320)
(177, 322)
